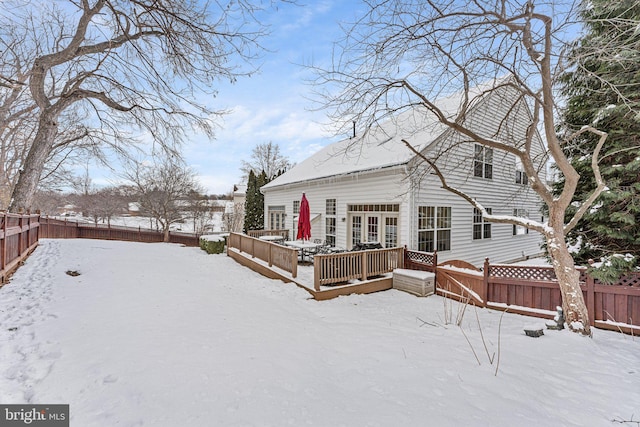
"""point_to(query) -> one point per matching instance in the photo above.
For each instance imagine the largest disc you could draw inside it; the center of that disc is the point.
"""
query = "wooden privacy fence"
(272, 253)
(537, 287)
(329, 269)
(18, 237)
(62, 229)
(532, 290)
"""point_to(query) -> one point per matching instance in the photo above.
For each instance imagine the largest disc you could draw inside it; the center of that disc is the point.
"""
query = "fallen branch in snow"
(424, 322)
(630, 421)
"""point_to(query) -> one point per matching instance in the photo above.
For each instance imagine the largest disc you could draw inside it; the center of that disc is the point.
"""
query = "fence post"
(591, 309)
(20, 224)
(29, 229)
(363, 265)
(270, 246)
(485, 282)
(4, 242)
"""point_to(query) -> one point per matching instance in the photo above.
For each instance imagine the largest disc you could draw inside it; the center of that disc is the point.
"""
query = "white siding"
(393, 185)
(377, 187)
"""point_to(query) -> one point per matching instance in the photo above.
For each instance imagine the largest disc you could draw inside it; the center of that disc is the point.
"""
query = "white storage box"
(420, 283)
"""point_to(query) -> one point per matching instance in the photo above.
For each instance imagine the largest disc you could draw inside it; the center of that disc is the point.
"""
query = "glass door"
(373, 228)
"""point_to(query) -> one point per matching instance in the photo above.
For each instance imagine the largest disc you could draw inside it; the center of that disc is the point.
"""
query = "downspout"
(411, 206)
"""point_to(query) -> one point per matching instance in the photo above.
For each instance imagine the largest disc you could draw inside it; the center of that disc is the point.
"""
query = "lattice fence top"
(632, 280)
(545, 274)
(421, 257)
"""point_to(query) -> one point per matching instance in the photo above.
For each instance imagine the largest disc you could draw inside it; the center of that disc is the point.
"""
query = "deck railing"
(330, 269)
(18, 237)
(272, 253)
(260, 233)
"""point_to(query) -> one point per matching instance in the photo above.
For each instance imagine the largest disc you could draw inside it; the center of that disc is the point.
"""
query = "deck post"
(294, 264)
(363, 265)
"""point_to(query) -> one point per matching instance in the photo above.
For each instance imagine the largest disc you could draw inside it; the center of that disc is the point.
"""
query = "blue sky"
(273, 105)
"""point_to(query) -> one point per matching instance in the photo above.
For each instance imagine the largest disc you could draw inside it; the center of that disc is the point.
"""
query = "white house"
(374, 189)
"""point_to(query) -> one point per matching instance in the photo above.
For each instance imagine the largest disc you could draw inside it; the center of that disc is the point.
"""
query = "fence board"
(18, 237)
(62, 229)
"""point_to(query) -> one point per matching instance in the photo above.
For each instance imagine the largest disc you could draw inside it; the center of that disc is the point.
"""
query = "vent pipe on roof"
(354, 128)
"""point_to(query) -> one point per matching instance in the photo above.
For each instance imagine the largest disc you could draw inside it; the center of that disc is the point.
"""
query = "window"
(481, 228)
(356, 229)
(296, 207)
(330, 222)
(331, 206)
(521, 176)
(518, 229)
(330, 231)
(276, 217)
(391, 232)
(434, 228)
(483, 162)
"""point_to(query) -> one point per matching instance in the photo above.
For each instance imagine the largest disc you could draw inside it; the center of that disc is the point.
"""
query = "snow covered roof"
(382, 147)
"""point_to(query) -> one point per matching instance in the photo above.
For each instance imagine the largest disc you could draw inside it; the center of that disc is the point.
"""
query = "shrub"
(212, 244)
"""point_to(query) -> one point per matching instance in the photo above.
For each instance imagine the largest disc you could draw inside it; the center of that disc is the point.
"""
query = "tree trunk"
(166, 234)
(573, 305)
(29, 177)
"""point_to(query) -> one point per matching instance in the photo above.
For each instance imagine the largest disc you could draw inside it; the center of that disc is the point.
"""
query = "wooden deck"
(306, 282)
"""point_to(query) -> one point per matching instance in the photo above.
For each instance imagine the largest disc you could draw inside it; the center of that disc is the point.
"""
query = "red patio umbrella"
(304, 220)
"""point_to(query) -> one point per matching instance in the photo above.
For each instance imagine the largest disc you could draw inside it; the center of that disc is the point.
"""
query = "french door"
(373, 227)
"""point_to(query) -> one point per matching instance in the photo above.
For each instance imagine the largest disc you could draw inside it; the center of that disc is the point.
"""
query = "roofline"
(330, 177)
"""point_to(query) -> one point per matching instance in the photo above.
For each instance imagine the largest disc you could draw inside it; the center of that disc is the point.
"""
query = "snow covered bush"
(212, 244)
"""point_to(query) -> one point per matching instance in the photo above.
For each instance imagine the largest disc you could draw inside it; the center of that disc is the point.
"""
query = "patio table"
(303, 247)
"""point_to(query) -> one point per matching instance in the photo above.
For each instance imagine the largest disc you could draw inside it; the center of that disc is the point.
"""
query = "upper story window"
(483, 162)
(296, 206)
(521, 176)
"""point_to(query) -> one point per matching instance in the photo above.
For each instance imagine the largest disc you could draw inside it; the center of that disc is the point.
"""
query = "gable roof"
(381, 147)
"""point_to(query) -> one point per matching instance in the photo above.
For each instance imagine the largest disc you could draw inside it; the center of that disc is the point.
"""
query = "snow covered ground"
(163, 335)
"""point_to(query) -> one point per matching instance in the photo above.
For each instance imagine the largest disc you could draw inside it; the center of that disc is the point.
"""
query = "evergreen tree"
(606, 94)
(254, 202)
(250, 203)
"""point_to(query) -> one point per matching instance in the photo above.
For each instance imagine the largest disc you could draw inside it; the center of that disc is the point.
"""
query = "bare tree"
(162, 186)
(265, 157)
(233, 217)
(122, 66)
(404, 55)
(198, 208)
